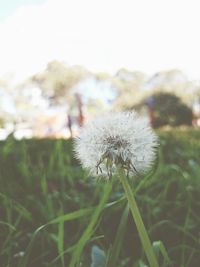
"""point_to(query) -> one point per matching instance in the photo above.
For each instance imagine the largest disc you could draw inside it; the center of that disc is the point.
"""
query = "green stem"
(138, 220)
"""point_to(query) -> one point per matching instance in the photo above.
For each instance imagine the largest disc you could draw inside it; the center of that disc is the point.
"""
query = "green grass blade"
(114, 255)
(146, 243)
(71, 216)
(159, 247)
(61, 239)
(9, 225)
(89, 230)
(60, 219)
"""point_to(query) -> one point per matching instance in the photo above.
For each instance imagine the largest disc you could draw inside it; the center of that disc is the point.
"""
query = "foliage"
(129, 86)
(58, 78)
(170, 110)
(133, 87)
(48, 207)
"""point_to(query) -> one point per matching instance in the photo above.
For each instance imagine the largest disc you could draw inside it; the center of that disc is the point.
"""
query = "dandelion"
(120, 144)
(121, 138)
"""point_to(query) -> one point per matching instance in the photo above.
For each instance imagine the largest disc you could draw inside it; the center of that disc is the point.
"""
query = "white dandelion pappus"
(118, 138)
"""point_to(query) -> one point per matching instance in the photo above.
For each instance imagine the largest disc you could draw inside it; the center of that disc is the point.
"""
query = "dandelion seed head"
(118, 138)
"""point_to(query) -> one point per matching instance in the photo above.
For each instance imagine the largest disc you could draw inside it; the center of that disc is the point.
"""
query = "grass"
(52, 214)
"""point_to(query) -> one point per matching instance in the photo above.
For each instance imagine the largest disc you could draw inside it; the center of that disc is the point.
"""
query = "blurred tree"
(130, 88)
(175, 82)
(58, 78)
(170, 110)
(133, 87)
(7, 105)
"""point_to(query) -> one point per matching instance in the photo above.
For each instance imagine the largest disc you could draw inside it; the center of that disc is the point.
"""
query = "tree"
(58, 78)
(170, 110)
(129, 86)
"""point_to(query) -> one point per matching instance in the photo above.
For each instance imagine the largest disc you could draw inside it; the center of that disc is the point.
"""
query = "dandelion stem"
(138, 220)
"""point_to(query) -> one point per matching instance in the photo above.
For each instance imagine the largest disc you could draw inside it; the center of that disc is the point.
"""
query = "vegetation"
(53, 214)
(170, 110)
(58, 78)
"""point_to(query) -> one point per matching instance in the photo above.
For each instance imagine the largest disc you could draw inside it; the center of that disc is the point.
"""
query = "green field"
(53, 214)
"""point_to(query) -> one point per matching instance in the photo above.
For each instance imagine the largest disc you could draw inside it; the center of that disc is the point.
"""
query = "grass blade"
(114, 255)
(61, 239)
(89, 230)
(159, 247)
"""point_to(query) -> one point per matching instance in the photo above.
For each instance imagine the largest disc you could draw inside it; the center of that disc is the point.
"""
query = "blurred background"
(62, 62)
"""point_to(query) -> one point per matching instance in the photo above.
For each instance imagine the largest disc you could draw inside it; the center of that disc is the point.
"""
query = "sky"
(8, 7)
(102, 35)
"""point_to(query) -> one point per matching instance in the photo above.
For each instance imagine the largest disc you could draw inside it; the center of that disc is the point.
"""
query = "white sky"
(103, 35)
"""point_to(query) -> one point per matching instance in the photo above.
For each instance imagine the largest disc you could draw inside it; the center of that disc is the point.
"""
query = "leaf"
(159, 247)
(98, 257)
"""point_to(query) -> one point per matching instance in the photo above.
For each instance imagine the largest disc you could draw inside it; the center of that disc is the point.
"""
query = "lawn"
(53, 214)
